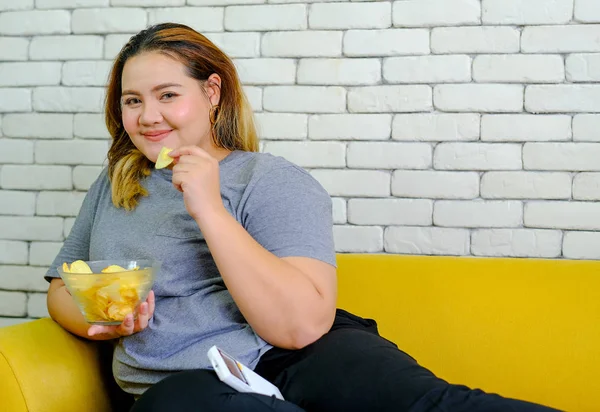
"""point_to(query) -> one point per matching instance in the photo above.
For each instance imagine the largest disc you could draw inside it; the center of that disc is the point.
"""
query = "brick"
(526, 12)
(17, 203)
(90, 126)
(35, 177)
(66, 47)
(390, 42)
(364, 183)
(266, 17)
(561, 156)
(436, 127)
(200, 19)
(518, 68)
(377, 15)
(560, 39)
(354, 239)
(427, 69)
(36, 306)
(13, 48)
(255, 97)
(43, 253)
(418, 212)
(38, 126)
(586, 186)
(59, 203)
(148, 3)
(31, 228)
(237, 44)
(517, 243)
(389, 155)
(477, 156)
(13, 303)
(313, 99)
(114, 43)
(581, 245)
(84, 176)
(339, 71)
(426, 13)
(478, 97)
(350, 126)
(68, 225)
(108, 20)
(562, 98)
(282, 126)
(426, 241)
(310, 154)
(23, 278)
(475, 40)
(13, 321)
(478, 213)
(586, 126)
(435, 185)
(563, 215)
(68, 99)
(28, 23)
(406, 99)
(266, 71)
(583, 67)
(302, 44)
(71, 152)
(69, 4)
(525, 127)
(13, 252)
(86, 73)
(587, 11)
(339, 211)
(6, 5)
(14, 100)
(16, 151)
(526, 185)
(222, 2)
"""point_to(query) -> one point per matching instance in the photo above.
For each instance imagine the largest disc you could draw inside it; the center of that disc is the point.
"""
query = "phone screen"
(233, 367)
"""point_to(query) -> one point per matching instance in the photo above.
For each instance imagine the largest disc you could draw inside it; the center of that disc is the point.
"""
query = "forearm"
(63, 309)
(278, 300)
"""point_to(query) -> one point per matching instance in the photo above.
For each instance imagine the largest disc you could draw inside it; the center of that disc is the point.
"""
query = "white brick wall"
(440, 127)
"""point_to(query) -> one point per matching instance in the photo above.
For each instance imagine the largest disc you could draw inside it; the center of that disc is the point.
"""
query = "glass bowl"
(108, 290)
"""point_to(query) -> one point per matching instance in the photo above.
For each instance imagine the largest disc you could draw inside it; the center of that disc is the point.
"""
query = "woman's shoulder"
(260, 164)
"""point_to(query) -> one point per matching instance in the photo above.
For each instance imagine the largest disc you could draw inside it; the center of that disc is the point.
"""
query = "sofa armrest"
(45, 368)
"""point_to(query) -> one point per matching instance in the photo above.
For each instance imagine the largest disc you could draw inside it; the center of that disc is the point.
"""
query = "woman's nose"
(150, 114)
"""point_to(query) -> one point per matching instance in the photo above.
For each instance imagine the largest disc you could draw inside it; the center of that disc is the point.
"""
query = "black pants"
(350, 369)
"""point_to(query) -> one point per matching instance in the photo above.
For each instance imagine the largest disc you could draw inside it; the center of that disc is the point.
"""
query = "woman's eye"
(131, 101)
(167, 96)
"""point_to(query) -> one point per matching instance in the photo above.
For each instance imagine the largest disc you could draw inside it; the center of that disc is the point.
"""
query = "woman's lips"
(157, 135)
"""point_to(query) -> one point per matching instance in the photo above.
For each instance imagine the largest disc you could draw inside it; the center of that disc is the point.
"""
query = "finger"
(142, 319)
(100, 330)
(126, 328)
(189, 159)
(190, 150)
(151, 303)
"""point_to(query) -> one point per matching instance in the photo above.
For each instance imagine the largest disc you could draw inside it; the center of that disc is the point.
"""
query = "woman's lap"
(349, 369)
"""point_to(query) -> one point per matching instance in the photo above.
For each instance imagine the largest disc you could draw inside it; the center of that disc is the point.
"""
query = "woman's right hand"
(129, 326)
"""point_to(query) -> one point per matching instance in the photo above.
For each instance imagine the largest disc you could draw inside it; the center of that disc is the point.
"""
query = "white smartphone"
(238, 376)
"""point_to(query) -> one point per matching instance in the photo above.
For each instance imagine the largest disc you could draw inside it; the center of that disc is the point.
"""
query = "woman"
(248, 262)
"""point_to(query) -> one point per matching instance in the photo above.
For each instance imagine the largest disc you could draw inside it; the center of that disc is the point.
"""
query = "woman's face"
(163, 106)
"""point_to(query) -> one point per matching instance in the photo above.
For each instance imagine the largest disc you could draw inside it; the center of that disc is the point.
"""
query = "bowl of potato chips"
(106, 291)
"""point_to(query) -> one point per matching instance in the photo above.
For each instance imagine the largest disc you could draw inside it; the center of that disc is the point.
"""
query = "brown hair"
(233, 126)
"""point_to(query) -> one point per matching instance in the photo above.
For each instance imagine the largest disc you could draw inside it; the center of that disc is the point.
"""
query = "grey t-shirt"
(280, 205)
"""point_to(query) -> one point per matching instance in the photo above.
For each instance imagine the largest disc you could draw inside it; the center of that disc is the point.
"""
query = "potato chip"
(79, 266)
(164, 159)
(113, 269)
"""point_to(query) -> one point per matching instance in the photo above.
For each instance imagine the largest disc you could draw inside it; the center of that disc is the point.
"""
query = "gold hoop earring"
(213, 114)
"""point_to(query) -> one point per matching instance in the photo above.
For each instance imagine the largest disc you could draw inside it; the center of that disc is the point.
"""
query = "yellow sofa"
(524, 328)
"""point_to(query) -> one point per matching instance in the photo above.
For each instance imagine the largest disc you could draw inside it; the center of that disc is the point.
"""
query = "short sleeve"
(77, 244)
(289, 213)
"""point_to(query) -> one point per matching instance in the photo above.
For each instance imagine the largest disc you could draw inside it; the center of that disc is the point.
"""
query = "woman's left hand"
(196, 175)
